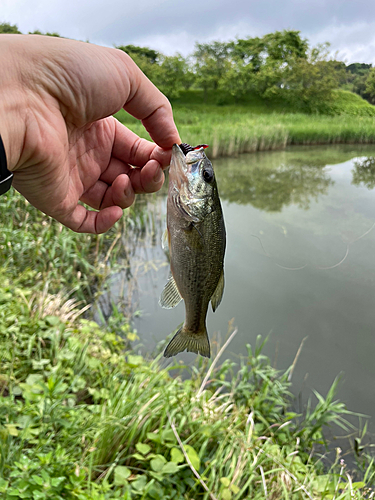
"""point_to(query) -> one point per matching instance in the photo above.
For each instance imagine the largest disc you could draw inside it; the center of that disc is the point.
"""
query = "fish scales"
(196, 237)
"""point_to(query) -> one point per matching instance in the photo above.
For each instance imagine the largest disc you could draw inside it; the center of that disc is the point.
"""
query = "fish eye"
(208, 175)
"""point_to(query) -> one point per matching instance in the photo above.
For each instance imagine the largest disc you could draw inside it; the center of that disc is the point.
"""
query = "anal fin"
(218, 293)
(170, 296)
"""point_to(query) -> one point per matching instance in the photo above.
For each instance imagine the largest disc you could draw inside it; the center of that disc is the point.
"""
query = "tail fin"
(192, 342)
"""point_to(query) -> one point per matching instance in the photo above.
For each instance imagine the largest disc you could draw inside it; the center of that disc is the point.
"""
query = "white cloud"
(174, 26)
(352, 42)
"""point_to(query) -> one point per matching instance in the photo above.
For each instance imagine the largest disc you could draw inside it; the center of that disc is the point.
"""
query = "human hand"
(57, 98)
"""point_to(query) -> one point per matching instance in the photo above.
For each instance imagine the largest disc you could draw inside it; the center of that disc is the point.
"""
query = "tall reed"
(232, 130)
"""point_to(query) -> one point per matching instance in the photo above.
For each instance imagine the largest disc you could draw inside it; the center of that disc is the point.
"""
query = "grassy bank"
(260, 125)
(83, 417)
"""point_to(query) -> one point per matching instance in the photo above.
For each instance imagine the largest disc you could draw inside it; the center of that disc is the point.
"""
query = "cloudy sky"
(175, 25)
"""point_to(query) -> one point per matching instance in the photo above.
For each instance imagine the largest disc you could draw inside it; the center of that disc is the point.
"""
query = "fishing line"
(316, 267)
(276, 264)
(347, 248)
(338, 264)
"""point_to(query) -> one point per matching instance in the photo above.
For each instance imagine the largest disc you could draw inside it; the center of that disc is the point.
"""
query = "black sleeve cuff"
(6, 177)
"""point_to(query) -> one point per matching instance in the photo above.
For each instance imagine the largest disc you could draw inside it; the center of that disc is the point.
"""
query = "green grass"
(82, 418)
(260, 125)
(41, 252)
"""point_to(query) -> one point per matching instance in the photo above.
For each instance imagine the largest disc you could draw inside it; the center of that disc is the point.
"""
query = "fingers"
(111, 199)
(148, 179)
(102, 195)
(130, 148)
(147, 103)
(82, 220)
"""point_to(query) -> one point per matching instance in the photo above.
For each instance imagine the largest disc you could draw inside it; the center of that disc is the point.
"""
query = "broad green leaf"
(170, 468)
(38, 495)
(132, 336)
(134, 360)
(157, 475)
(226, 494)
(143, 448)
(34, 378)
(235, 489)
(56, 481)
(37, 479)
(177, 456)
(225, 481)
(16, 390)
(121, 475)
(324, 483)
(193, 457)
(153, 436)
(139, 484)
(358, 485)
(138, 456)
(157, 463)
(156, 492)
(12, 429)
(3, 485)
(13, 492)
(168, 435)
(52, 320)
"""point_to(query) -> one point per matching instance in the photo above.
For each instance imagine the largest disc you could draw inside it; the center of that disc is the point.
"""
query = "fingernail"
(128, 192)
(158, 175)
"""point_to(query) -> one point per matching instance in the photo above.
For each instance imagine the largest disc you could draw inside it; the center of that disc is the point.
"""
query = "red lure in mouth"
(186, 148)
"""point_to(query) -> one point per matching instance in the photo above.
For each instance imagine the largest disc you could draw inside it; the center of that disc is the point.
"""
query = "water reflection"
(313, 211)
(272, 185)
(364, 172)
(269, 181)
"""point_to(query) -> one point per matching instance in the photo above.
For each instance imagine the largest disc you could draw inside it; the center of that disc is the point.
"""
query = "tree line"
(278, 66)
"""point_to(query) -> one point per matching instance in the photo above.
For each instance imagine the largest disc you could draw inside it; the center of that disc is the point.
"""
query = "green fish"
(196, 240)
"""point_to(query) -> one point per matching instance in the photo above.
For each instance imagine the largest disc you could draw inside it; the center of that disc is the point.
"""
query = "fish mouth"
(178, 168)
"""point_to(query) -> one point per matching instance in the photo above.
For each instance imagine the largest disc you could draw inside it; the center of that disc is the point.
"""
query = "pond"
(299, 265)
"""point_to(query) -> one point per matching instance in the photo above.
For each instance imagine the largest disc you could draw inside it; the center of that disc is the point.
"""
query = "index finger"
(148, 104)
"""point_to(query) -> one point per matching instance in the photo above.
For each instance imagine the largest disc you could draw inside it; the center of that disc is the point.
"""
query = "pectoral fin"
(218, 293)
(183, 209)
(170, 296)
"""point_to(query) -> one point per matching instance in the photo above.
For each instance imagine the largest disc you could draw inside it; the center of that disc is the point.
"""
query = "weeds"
(232, 130)
(82, 418)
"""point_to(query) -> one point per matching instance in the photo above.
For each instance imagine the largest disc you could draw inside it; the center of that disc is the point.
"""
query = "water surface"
(299, 263)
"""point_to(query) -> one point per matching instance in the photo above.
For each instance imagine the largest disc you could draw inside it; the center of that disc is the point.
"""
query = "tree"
(370, 85)
(37, 32)
(364, 172)
(145, 58)
(174, 75)
(273, 186)
(211, 63)
(355, 79)
(238, 80)
(7, 28)
(151, 55)
(264, 61)
(308, 86)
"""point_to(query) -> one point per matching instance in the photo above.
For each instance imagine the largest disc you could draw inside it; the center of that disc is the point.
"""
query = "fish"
(196, 242)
